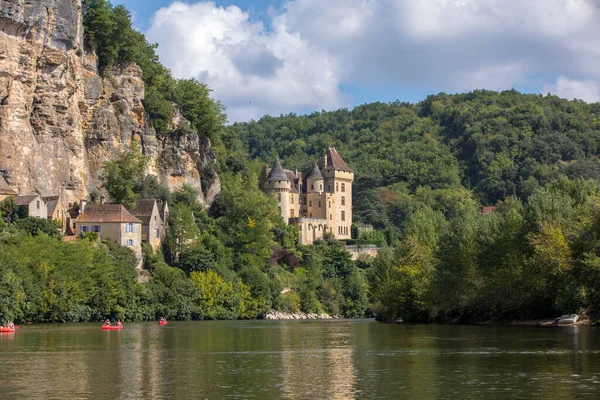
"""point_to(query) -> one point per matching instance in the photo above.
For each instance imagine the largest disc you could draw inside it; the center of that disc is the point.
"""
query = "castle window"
(321, 187)
(329, 188)
(343, 200)
(343, 215)
(330, 216)
(343, 187)
(292, 199)
(312, 187)
(279, 197)
(337, 186)
(319, 203)
(329, 203)
(292, 213)
(310, 203)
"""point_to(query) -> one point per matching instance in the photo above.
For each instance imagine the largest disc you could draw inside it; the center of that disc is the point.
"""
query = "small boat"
(112, 327)
(4, 329)
(163, 322)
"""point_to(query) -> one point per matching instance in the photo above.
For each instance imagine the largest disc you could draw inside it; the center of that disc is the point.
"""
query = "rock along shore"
(279, 315)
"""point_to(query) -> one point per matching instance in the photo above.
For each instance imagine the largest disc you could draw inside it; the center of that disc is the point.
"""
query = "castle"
(316, 202)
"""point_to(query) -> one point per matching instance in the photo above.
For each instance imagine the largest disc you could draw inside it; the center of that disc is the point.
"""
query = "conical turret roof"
(315, 173)
(277, 173)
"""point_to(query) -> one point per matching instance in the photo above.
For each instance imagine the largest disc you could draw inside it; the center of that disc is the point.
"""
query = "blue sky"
(279, 56)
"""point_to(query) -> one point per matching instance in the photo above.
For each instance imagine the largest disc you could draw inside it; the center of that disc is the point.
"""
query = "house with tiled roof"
(55, 210)
(152, 213)
(317, 201)
(32, 206)
(112, 222)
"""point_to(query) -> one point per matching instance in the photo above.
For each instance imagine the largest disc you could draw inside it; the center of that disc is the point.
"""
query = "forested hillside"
(493, 144)
(423, 174)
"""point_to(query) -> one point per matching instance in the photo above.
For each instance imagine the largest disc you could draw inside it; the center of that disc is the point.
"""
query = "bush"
(289, 302)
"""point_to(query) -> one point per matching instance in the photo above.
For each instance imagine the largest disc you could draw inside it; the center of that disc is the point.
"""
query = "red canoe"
(162, 322)
(111, 327)
(4, 329)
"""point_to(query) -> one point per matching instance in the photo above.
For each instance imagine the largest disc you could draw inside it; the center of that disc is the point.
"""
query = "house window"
(129, 227)
(96, 228)
(37, 204)
(343, 215)
(343, 200)
(84, 228)
(343, 187)
(130, 242)
(279, 197)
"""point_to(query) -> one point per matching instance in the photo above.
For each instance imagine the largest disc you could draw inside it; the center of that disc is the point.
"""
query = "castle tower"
(315, 197)
(278, 183)
(338, 178)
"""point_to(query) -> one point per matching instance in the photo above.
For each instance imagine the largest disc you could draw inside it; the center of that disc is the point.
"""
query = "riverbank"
(283, 316)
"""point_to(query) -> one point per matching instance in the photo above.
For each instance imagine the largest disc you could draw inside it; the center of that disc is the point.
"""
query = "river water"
(299, 359)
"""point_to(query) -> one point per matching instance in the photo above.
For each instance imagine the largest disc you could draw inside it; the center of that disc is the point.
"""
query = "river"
(299, 359)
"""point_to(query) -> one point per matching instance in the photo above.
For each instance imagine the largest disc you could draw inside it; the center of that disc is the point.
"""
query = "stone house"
(152, 213)
(5, 190)
(56, 211)
(112, 222)
(317, 201)
(32, 206)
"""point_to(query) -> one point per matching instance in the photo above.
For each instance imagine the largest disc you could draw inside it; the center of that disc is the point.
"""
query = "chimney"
(82, 204)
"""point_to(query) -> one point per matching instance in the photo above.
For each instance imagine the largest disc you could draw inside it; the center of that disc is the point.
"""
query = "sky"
(281, 56)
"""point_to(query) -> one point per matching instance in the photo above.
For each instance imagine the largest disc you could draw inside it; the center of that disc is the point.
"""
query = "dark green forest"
(423, 174)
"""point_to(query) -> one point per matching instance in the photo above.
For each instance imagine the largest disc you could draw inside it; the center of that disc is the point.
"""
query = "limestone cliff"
(60, 120)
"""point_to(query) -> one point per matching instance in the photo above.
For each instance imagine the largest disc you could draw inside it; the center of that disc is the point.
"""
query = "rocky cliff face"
(60, 120)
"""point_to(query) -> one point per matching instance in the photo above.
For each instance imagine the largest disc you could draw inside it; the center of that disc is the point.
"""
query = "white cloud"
(587, 90)
(312, 47)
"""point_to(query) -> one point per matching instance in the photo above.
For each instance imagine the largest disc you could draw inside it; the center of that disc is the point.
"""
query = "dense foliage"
(423, 173)
(108, 32)
(493, 144)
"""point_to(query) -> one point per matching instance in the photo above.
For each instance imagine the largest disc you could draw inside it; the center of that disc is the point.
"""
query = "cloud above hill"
(303, 55)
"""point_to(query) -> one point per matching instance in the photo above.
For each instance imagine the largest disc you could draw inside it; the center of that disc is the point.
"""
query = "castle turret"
(278, 183)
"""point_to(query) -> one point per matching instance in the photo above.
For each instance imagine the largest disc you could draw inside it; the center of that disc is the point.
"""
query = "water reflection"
(273, 360)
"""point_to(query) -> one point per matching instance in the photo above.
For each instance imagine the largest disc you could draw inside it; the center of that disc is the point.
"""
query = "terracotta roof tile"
(335, 161)
(106, 213)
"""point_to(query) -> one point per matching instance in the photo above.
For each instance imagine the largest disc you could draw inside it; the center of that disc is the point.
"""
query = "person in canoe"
(107, 323)
(10, 325)
(162, 320)
(119, 323)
